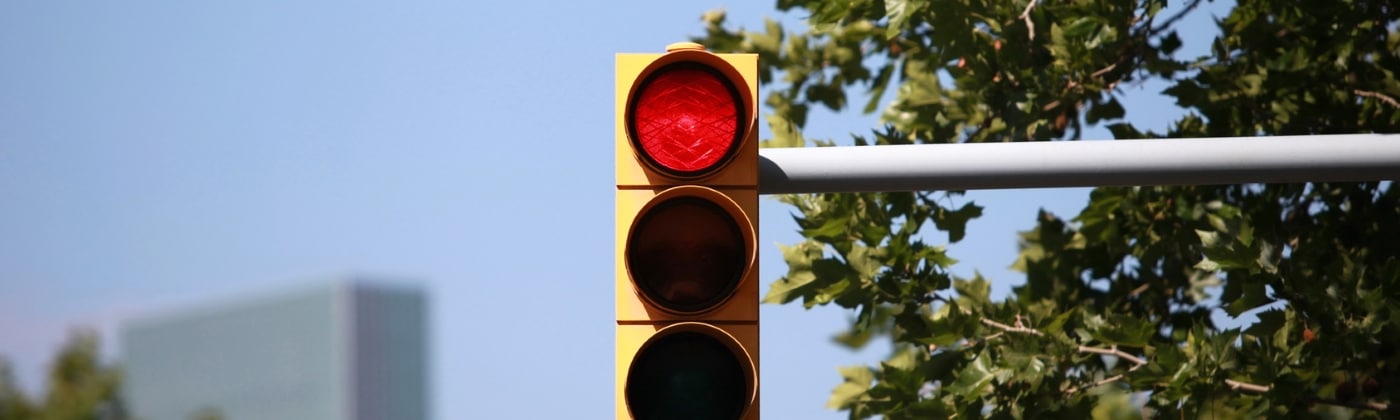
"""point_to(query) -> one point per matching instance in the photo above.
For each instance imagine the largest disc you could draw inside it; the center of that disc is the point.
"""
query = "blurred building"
(347, 351)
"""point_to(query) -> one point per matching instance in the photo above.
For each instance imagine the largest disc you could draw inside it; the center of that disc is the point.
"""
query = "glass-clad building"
(347, 350)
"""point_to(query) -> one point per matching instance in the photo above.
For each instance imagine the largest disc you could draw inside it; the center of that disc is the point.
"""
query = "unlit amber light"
(686, 254)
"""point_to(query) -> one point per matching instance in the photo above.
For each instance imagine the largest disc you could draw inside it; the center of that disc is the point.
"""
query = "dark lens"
(686, 375)
(686, 254)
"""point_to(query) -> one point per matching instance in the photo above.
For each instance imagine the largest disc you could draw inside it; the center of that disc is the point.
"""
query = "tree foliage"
(1115, 311)
(80, 386)
(13, 403)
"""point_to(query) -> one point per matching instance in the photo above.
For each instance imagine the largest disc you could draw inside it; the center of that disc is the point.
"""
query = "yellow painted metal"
(676, 46)
(733, 187)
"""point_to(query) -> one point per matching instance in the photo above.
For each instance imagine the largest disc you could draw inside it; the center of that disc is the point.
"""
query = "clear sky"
(163, 154)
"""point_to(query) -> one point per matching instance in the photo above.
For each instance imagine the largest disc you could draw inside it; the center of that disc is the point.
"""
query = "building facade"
(347, 350)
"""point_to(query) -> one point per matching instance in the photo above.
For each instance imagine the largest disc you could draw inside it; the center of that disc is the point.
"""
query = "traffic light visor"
(686, 119)
(690, 371)
(688, 250)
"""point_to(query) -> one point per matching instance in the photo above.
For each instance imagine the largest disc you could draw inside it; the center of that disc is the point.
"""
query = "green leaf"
(788, 288)
(865, 261)
(973, 379)
(1124, 330)
(877, 88)
(976, 291)
(1058, 46)
(785, 134)
(1269, 323)
(1169, 43)
(921, 86)
(1080, 27)
(898, 12)
(831, 96)
(1124, 131)
(834, 228)
(832, 291)
(1057, 323)
(1251, 84)
(831, 281)
(1110, 110)
(857, 380)
(1254, 296)
(800, 279)
(1208, 238)
(955, 222)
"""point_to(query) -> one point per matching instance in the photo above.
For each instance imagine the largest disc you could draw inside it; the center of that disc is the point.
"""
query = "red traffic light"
(686, 256)
(686, 119)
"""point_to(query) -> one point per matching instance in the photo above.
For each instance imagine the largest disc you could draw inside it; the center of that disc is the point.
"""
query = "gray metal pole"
(1226, 160)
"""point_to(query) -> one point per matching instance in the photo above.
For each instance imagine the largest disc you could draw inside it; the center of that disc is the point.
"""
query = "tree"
(1117, 299)
(13, 403)
(80, 386)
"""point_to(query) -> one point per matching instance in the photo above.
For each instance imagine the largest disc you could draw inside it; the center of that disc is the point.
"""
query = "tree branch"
(1360, 405)
(1111, 351)
(1246, 386)
(1103, 381)
(1379, 96)
(1018, 328)
(1026, 16)
(1260, 389)
(1015, 329)
(1114, 351)
(1139, 290)
(1140, 362)
(1100, 72)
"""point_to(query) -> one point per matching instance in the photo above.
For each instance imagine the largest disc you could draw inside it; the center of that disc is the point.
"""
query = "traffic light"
(687, 235)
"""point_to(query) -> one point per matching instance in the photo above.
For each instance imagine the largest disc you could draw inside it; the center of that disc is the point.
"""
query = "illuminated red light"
(686, 119)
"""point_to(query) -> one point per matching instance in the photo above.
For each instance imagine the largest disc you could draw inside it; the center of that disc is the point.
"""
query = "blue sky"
(164, 154)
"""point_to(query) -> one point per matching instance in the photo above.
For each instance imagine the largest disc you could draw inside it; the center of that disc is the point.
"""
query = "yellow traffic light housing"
(687, 234)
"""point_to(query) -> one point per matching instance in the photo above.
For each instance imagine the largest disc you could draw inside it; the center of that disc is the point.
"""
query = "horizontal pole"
(971, 166)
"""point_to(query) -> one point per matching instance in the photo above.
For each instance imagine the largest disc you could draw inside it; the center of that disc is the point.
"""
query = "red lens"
(686, 119)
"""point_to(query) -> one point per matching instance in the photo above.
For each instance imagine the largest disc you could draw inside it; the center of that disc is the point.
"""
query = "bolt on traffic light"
(687, 234)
